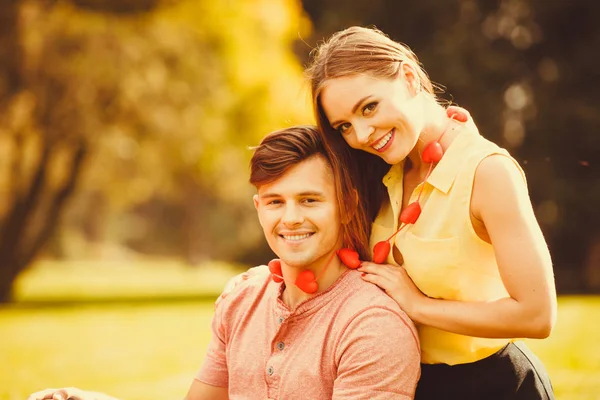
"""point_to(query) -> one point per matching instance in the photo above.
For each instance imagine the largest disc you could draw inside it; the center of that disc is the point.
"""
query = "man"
(280, 335)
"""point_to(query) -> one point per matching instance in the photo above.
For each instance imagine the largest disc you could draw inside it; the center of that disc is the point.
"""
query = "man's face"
(299, 214)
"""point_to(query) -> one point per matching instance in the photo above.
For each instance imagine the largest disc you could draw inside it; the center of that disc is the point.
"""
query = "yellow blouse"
(442, 253)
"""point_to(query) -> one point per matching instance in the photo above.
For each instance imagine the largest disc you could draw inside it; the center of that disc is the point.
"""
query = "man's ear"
(255, 198)
(351, 206)
(256, 205)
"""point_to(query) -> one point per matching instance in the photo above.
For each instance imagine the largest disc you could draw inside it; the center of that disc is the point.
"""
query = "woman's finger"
(379, 280)
(388, 271)
(374, 265)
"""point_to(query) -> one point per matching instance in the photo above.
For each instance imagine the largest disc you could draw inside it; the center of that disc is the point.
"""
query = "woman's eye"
(369, 108)
(310, 201)
(343, 128)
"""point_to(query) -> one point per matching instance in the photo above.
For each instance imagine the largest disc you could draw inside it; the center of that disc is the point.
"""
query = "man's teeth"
(296, 237)
(383, 141)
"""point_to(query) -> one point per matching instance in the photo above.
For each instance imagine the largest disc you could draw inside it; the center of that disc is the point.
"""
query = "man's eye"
(369, 108)
(274, 202)
(310, 200)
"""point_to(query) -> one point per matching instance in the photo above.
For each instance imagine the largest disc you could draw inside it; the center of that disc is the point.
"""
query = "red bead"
(457, 113)
(432, 153)
(275, 269)
(349, 258)
(381, 252)
(411, 213)
(306, 282)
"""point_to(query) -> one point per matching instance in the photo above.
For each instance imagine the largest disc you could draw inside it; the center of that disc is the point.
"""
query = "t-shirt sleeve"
(378, 357)
(214, 368)
(233, 283)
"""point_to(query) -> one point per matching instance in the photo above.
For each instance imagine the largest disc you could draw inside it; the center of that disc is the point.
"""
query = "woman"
(469, 264)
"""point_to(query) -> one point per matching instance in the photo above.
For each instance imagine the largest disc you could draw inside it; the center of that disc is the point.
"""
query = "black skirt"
(513, 372)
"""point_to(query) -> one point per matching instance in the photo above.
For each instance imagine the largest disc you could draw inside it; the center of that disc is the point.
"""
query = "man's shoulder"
(366, 299)
(245, 287)
(363, 294)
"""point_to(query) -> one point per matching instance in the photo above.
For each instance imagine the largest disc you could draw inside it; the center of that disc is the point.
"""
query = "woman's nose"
(364, 134)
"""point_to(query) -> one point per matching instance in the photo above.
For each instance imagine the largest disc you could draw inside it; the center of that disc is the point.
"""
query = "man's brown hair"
(281, 150)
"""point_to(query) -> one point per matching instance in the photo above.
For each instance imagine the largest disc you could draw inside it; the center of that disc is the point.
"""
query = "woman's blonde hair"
(357, 50)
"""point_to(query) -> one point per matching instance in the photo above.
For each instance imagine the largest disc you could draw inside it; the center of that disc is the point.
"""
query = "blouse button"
(280, 345)
(270, 371)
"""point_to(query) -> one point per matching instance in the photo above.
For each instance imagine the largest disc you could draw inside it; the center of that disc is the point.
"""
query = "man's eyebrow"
(268, 195)
(358, 103)
(313, 193)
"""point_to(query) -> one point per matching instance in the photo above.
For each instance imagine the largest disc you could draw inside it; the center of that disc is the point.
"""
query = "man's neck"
(292, 295)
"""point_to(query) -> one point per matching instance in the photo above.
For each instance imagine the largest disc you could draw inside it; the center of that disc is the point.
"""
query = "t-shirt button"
(280, 345)
(270, 370)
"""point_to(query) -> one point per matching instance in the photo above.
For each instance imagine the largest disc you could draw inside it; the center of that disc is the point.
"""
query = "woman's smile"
(385, 142)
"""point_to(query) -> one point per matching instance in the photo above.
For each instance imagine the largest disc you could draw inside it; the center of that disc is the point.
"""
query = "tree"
(523, 68)
(151, 99)
(30, 131)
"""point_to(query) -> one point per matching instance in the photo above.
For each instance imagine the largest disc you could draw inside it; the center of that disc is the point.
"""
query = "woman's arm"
(501, 201)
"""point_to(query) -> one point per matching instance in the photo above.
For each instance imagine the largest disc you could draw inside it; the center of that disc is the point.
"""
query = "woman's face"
(380, 116)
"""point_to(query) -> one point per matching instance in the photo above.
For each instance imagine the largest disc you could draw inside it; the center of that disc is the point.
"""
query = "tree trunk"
(35, 211)
(8, 274)
(10, 52)
(18, 248)
(10, 84)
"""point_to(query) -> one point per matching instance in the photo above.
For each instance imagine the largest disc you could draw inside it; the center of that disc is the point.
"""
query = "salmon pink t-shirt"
(351, 341)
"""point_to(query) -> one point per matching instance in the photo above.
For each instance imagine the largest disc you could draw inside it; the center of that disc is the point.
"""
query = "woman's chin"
(393, 156)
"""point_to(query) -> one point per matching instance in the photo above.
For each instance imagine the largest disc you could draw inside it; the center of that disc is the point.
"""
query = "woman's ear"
(408, 73)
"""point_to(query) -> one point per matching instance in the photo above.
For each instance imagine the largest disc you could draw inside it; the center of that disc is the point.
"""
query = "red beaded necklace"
(432, 153)
(305, 281)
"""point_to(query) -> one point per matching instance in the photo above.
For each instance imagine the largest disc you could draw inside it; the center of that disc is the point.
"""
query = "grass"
(151, 350)
(134, 352)
(572, 353)
(51, 282)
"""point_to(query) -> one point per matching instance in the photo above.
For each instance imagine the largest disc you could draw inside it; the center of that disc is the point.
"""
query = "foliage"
(159, 107)
(523, 69)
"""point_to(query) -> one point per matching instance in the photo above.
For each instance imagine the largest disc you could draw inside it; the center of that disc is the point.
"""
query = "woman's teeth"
(296, 237)
(383, 141)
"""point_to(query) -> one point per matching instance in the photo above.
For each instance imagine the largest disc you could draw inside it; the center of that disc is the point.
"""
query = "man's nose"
(293, 215)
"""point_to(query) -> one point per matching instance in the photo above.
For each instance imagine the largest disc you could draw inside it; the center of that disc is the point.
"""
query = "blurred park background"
(124, 134)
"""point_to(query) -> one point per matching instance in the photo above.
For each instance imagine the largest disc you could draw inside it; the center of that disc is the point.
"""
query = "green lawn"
(132, 351)
(151, 350)
(572, 353)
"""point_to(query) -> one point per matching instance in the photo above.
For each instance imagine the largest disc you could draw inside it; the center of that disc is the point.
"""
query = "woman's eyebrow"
(358, 103)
